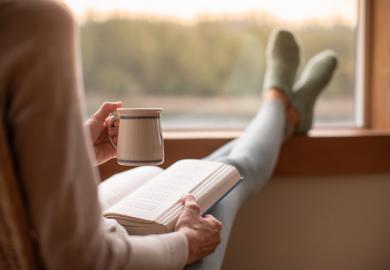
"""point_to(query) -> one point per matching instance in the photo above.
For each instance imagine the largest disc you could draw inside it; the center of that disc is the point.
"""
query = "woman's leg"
(256, 152)
(222, 151)
(255, 155)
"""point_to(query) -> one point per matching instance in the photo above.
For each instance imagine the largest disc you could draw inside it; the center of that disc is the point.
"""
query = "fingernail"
(182, 198)
(191, 197)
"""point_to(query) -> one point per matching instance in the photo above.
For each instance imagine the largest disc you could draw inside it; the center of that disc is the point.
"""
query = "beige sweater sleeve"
(40, 85)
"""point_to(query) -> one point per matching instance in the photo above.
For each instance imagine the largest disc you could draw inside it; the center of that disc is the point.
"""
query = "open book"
(154, 206)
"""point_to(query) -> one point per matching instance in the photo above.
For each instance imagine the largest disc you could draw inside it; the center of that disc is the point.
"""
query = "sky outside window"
(295, 11)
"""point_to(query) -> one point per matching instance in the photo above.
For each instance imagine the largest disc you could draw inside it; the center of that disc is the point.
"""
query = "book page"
(152, 199)
(122, 184)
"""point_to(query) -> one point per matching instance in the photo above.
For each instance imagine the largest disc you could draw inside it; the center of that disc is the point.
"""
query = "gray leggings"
(254, 154)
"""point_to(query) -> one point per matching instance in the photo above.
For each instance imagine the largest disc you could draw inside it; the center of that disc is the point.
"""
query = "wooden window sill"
(322, 152)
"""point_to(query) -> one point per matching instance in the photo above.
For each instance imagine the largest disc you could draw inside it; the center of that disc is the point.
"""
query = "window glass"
(203, 60)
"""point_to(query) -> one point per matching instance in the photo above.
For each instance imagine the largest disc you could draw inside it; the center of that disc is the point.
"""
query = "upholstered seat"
(17, 248)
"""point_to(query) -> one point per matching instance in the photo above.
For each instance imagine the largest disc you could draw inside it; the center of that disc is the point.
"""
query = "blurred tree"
(224, 56)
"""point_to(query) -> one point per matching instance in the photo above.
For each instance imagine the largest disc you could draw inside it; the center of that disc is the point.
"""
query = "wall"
(314, 223)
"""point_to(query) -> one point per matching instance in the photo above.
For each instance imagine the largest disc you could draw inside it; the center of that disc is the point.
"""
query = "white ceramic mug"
(140, 140)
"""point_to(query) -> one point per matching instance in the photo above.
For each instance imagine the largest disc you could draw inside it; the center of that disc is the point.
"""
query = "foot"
(316, 75)
(282, 59)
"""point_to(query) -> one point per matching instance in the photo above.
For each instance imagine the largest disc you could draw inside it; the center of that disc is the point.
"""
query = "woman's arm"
(41, 82)
(52, 150)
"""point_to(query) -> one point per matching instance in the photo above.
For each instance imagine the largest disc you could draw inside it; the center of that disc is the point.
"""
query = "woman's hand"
(100, 132)
(203, 233)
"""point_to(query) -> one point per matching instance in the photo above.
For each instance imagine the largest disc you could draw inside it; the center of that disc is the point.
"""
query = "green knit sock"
(314, 78)
(282, 59)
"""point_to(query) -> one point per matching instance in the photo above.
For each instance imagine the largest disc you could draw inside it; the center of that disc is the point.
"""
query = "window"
(203, 60)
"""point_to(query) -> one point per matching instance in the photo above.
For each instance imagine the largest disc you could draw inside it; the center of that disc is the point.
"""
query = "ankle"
(292, 117)
(276, 94)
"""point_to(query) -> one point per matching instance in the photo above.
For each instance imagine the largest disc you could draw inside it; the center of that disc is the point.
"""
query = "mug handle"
(113, 122)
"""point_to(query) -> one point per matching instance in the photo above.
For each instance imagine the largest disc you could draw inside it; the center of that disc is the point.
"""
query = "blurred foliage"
(130, 56)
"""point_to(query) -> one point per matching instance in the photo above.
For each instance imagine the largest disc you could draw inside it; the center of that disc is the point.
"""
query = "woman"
(42, 98)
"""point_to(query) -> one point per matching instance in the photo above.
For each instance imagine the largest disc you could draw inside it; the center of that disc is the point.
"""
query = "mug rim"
(139, 111)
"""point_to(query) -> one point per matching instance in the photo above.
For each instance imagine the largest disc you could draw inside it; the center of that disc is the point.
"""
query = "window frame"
(361, 93)
(377, 93)
(364, 149)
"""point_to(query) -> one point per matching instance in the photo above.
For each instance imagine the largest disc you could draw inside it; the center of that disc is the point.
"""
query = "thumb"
(104, 111)
(190, 206)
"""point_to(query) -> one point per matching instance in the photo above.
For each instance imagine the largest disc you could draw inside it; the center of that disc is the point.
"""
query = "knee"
(45, 19)
(256, 173)
(241, 163)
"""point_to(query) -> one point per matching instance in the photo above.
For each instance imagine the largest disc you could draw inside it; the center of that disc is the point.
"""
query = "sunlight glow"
(285, 10)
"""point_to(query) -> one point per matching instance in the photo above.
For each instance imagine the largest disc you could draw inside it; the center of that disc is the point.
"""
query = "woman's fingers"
(115, 140)
(105, 109)
(215, 222)
(113, 131)
(190, 206)
(203, 233)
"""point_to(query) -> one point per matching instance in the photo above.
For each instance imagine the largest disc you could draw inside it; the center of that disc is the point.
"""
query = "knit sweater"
(41, 91)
